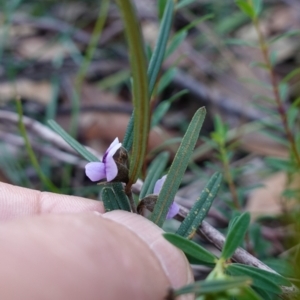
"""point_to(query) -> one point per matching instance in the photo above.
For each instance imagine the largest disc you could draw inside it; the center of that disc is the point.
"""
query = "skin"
(64, 247)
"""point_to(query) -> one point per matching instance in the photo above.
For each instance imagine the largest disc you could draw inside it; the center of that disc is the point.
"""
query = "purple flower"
(174, 208)
(108, 169)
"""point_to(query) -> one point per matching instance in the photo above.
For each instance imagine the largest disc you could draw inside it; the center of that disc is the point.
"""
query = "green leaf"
(257, 6)
(281, 164)
(280, 265)
(177, 39)
(248, 293)
(128, 138)
(274, 277)
(264, 294)
(259, 65)
(201, 207)
(166, 79)
(262, 279)
(191, 248)
(160, 47)
(140, 88)
(284, 35)
(291, 75)
(283, 91)
(72, 142)
(177, 169)
(155, 170)
(235, 235)
(240, 42)
(213, 286)
(183, 3)
(153, 68)
(163, 107)
(109, 199)
(161, 5)
(120, 195)
(246, 8)
(33, 159)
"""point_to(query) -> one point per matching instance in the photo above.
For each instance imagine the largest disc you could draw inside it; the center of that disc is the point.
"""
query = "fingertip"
(17, 201)
(172, 260)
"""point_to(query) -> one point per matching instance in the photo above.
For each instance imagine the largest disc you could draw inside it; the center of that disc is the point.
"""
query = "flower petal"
(173, 210)
(158, 185)
(115, 142)
(111, 169)
(112, 149)
(95, 171)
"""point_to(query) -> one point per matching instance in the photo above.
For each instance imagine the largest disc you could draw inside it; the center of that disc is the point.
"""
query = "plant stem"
(46, 181)
(128, 192)
(231, 185)
(227, 175)
(280, 107)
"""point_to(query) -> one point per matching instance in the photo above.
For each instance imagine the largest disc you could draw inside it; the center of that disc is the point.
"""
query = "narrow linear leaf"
(140, 88)
(166, 79)
(109, 199)
(257, 6)
(153, 68)
(161, 4)
(248, 293)
(120, 195)
(246, 7)
(163, 107)
(154, 173)
(259, 279)
(195, 22)
(177, 169)
(72, 142)
(275, 278)
(236, 233)
(128, 138)
(191, 248)
(175, 42)
(183, 3)
(264, 294)
(213, 286)
(201, 207)
(180, 36)
(291, 75)
(160, 47)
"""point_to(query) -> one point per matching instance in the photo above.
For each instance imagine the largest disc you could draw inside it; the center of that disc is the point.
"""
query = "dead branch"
(41, 131)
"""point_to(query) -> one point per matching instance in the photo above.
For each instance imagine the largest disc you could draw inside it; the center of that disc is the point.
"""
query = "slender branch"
(280, 107)
(52, 152)
(40, 130)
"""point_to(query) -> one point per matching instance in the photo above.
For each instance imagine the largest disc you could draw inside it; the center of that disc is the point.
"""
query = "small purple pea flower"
(174, 208)
(108, 169)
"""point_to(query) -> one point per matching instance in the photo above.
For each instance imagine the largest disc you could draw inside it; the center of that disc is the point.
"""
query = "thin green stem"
(128, 192)
(228, 176)
(280, 107)
(86, 63)
(30, 151)
(75, 98)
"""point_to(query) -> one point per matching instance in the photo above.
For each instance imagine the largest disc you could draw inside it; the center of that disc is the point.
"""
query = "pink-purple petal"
(113, 150)
(111, 169)
(158, 185)
(115, 142)
(173, 210)
(95, 171)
